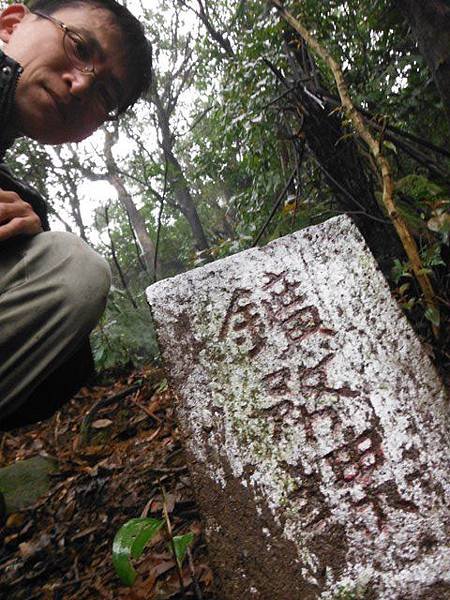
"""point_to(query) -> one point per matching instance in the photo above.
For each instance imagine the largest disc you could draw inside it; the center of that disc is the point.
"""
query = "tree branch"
(357, 120)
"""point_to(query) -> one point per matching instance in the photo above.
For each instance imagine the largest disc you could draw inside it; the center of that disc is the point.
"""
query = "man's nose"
(78, 82)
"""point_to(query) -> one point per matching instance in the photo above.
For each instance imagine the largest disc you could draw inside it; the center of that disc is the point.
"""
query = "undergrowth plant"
(132, 538)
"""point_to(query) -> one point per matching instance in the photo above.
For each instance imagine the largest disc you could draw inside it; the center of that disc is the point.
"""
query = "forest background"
(242, 139)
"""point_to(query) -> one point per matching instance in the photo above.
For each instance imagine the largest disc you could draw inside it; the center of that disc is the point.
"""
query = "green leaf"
(418, 187)
(399, 270)
(181, 543)
(409, 305)
(129, 542)
(432, 314)
(162, 386)
(391, 146)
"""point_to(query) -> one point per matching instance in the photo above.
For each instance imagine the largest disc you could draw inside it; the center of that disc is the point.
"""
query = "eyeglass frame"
(89, 71)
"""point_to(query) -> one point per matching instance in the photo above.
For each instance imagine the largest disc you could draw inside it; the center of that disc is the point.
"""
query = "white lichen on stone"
(298, 375)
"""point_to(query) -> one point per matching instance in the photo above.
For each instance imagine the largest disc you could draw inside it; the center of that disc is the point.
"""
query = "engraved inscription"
(308, 497)
(244, 319)
(314, 382)
(314, 421)
(356, 460)
(286, 308)
(278, 382)
(304, 397)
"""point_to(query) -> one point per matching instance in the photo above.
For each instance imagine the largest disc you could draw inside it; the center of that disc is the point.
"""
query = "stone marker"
(316, 426)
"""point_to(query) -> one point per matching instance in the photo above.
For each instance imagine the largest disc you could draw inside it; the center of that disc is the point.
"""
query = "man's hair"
(137, 49)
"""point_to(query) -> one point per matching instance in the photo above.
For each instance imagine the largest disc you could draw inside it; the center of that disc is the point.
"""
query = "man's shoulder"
(11, 183)
(10, 71)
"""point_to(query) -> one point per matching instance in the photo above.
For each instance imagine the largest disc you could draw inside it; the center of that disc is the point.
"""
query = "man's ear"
(10, 18)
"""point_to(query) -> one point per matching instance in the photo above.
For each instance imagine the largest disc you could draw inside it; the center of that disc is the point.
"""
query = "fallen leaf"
(15, 520)
(101, 423)
(28, 549)
(162, 567)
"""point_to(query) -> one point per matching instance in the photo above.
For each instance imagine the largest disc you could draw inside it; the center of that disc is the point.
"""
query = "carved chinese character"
(286, 308)
(307, 496)
(314, 381)
(355, 461)
(278, 382)
(243, 320)
(317, 420)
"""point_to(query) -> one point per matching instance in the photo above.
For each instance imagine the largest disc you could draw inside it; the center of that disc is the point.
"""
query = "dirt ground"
(117, 460)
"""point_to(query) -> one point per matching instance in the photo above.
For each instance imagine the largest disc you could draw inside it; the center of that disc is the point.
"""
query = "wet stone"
(24, 482)
(317, 428)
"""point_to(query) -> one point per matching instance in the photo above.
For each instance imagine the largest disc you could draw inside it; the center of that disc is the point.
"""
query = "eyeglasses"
(81, 55)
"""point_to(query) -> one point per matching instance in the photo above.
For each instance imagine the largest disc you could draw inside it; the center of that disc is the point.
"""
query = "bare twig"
(2, 446)
(116, 261)
(147, 411)
(198, 591)
(160, 213)
(172, 543)
(87, 421)
(278, 201)
(391, 128)
(169, 469)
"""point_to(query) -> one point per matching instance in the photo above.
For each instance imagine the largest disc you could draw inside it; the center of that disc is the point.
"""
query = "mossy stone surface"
(316, 426)
(24, 482)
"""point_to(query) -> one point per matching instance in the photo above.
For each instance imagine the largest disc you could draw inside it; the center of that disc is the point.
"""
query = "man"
(66, 67)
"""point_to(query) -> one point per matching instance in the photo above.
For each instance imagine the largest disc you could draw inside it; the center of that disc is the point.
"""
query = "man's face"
(55, 102)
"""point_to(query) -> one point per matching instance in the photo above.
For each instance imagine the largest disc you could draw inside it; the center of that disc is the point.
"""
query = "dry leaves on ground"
(109, 473)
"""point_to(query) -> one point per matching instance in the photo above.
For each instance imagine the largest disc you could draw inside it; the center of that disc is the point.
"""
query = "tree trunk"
(76, 213)
(176, 177)
(136, 219)
(138, 223)
(184, 199)
(117, 263)
(70, 185)
(430, 24)
(340, 160)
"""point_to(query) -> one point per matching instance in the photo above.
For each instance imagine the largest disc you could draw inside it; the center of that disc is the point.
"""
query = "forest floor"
(127, 463)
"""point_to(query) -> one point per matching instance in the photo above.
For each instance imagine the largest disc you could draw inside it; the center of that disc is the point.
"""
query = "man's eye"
(80, 48)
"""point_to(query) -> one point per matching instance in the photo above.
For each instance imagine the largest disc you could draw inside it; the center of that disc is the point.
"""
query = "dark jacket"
(69, 377)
